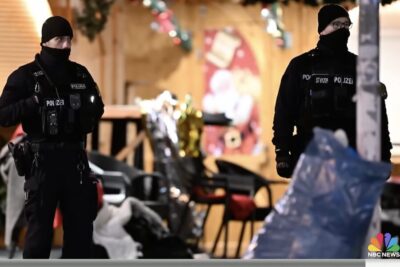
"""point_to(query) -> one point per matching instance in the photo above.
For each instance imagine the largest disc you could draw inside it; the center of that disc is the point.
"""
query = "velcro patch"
(78, 86)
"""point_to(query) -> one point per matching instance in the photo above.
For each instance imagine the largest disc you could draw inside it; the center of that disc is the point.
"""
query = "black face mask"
(54, 55)
(336, 41)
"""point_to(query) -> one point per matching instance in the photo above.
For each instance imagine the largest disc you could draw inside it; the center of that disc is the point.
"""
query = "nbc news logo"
(384, 246)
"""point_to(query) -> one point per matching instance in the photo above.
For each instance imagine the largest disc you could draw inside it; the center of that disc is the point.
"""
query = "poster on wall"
(233, 87)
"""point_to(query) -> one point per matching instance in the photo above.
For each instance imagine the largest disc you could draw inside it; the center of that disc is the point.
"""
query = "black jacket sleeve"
(386, 145)
(286, 108)
(98, 105)
(16, 102)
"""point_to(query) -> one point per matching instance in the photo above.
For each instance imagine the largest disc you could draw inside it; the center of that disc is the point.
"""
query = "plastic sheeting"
(327, 208)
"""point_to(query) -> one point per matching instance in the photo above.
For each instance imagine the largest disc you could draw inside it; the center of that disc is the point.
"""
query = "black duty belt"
(56, 146)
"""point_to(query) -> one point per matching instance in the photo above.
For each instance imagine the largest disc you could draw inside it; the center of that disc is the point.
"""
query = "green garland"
(93, 17)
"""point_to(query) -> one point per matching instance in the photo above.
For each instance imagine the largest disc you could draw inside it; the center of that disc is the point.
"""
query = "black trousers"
(55, 180)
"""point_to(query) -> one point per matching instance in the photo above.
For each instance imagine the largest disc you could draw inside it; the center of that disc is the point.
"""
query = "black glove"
(284, 163)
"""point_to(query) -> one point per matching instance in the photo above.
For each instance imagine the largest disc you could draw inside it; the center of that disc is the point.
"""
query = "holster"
(21, 155)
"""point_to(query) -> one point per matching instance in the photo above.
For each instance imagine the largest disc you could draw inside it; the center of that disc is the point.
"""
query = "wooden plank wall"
(19, 41)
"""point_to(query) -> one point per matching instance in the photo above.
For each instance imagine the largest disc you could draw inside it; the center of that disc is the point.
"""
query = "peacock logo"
(384, 246)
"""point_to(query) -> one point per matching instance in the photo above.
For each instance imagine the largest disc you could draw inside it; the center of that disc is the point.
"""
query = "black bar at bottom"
(187, 263)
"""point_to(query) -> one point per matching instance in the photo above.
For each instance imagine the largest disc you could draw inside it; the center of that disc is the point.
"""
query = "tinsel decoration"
(272, 14)
(166, 22)
(308, 2)
(93, 17)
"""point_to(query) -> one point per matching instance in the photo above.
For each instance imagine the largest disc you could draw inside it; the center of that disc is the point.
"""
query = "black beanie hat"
(55, 26)
(329, 13)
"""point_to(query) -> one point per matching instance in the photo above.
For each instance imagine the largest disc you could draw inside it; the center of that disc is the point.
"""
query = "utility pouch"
(321, 96)
(75, 101)
(52, 122)
(19, 154)
(344, 107)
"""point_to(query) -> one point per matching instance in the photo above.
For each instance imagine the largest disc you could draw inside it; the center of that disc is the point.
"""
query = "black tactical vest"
(329, 88)
(66, 110)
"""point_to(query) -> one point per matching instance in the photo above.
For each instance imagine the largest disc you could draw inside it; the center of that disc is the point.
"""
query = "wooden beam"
(121, 112)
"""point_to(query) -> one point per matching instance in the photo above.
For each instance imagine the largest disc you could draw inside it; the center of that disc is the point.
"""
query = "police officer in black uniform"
(317, 89)
(58, 104)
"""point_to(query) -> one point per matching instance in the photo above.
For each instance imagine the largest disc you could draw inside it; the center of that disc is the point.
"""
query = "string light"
(147, 3)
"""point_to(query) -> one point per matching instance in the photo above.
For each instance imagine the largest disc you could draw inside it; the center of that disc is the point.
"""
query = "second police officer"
(317, 89)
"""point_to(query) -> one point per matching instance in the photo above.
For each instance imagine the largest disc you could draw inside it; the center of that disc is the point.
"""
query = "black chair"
(116, 176)
(243, 185)
(119, 178)
(201, 185)
(153, 190)
(115, 184)
(109, 163)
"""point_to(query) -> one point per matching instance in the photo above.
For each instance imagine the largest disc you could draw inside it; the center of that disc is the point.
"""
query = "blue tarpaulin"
(327, 208)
